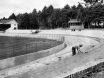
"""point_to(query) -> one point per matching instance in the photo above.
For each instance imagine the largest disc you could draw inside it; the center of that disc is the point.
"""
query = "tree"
(67, 7)
(64, 17)
(74, 7)
(19, 18)
(44, 16)
(40, 20)
(12, 16)
(93, 1)
(79, 6)
(51, 17)
(80, 10)
(34, 19)
(50, 11)
(93, 15)
(25, 22)
(72, 12)
(55, 22)
(4, 18)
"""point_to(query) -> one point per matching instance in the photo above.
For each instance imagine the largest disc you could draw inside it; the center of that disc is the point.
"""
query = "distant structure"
(9, 24)
(75, 24)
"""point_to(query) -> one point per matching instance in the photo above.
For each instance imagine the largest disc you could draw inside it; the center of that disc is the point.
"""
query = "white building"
(10, 24)
(75, 24)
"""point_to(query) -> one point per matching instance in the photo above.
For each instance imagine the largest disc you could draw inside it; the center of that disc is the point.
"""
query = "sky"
(7, 7)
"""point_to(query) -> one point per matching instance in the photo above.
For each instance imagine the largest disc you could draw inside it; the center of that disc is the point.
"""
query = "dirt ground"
(64, 65)
(67, 65)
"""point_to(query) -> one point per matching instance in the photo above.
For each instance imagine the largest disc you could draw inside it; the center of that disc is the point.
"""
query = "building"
(10, 24)
(75, 24)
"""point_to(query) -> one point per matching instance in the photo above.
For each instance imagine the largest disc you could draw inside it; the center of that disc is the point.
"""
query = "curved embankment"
(39, 66)
(27, 58)
(22, 59)
(85, 64)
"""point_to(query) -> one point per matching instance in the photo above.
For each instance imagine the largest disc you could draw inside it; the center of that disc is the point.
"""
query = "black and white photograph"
(51, 38)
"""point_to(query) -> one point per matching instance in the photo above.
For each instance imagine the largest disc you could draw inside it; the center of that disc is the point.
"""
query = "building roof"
(74, 21)
(9, 21)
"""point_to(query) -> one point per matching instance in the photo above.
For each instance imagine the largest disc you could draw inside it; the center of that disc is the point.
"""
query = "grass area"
(15, 46)
(99, 73)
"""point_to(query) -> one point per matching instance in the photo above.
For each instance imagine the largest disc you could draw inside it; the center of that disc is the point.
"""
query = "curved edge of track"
(38, 63)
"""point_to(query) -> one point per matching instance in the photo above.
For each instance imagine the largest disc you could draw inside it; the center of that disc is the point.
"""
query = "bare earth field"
(15, 46)
(62, 68)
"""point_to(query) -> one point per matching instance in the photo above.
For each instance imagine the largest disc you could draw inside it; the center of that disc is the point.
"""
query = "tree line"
(50, 17)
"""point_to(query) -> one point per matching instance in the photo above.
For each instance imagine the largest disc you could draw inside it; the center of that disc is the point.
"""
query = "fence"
(27, 45)
(57, 37)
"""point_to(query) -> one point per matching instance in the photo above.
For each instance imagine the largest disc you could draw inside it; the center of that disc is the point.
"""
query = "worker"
(73, 50)
(78, 48)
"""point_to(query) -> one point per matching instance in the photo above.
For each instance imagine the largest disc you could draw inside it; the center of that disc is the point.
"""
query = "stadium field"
(15, 46)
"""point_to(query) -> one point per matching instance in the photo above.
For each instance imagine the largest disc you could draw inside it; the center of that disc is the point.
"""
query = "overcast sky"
(7, 7)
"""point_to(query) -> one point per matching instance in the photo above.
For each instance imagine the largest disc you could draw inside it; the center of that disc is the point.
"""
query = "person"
(73, 50)
(78, 48)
